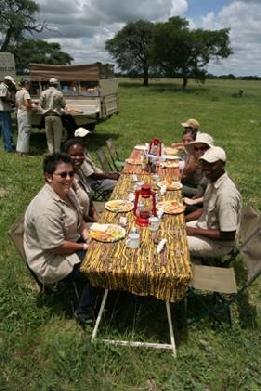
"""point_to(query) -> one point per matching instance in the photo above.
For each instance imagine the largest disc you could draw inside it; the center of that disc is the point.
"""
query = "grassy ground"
(41, 347)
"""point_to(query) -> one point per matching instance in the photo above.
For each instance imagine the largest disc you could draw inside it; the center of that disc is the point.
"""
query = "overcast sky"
(82, 26)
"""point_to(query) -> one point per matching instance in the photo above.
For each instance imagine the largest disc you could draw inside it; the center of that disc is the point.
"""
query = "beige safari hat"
(53, 81)
(201, 138)
(10, 78)
(191, 123)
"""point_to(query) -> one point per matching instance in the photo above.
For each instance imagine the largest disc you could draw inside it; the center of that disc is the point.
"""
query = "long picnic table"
(142, 271)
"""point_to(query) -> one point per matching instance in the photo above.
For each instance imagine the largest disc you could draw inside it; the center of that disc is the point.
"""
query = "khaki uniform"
(52, 104)
(83, 197)
(222, 207)
(6, 101)
(49, 221)
(23, 121)
(87, 169)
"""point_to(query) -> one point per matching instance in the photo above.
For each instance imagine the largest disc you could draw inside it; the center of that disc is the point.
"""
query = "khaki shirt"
(5, 98)
(83, 197)
(88, 167)
(49, 221)
(52, 101)
(20, 98)
(222, 206)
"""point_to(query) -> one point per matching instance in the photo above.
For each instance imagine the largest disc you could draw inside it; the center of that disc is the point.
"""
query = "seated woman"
(190, 128)
(75, 149)
(53, 230)
(193, 179)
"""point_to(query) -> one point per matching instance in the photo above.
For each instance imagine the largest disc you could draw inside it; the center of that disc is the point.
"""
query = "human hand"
(191, 231)
(113, 175)
(188, 201)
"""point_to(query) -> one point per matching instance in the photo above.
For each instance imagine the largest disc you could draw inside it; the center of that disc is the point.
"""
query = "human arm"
(214, 234)
(69, 247)
(105, 175)
(190, 167)
(194, 215)
(193, 201)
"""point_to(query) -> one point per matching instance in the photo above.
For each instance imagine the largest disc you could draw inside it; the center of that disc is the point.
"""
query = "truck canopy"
(91, 72)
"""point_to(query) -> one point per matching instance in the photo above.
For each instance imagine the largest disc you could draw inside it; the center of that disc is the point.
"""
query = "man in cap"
(52, 104)
(212, 230)
(7, 100)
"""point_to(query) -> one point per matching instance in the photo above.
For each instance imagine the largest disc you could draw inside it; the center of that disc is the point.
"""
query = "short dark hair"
(72, 141)
(50, 162)
(191, 131)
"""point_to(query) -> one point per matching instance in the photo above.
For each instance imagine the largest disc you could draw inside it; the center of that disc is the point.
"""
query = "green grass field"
(41, 346)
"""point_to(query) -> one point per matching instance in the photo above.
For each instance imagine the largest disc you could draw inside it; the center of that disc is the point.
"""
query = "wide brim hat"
(10, 78)
(201, 138)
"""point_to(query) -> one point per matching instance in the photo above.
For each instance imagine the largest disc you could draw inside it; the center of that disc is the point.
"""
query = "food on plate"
(171, 206)
(172, 164)
(141, 147)
(170, 185)
(119, 206)
(171, 151)
(107, 232)
(134, 162)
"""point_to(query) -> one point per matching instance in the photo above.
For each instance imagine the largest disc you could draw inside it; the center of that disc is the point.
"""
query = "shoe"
(84, 318)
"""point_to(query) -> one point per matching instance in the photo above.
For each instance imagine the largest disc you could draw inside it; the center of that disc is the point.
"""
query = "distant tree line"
(19, 20)
(167, 49)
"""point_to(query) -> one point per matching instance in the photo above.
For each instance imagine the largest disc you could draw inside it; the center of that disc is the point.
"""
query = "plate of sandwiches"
(172, 185)
(118, 206)
(134, 162)
(107, 233)
(170, 164)
(172, 207)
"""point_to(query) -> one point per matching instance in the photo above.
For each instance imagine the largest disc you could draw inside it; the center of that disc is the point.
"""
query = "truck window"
(88, 88)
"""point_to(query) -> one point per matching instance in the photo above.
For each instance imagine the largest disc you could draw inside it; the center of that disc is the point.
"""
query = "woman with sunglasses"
(55, 233)
(193, 179)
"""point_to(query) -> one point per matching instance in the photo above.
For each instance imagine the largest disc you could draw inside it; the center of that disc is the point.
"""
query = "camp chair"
(16, 234)
(103, 160)
(117, 163)
(221, 281)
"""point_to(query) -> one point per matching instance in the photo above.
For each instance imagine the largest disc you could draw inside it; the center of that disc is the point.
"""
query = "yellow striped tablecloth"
(142, 271)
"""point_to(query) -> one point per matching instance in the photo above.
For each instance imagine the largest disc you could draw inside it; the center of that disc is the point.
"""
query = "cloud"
(243, 18)
(82, 27)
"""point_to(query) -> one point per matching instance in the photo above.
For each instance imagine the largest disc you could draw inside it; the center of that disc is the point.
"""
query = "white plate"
(140, 147)
(175, 185)
(171, 157)
(107, 234)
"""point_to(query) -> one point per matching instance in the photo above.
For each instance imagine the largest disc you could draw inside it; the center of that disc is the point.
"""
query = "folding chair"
(221, 281)
(117, 163)
(103, 160)
(16, 234)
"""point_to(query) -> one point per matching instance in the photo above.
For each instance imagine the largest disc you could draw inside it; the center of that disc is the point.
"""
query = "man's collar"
(220, 180)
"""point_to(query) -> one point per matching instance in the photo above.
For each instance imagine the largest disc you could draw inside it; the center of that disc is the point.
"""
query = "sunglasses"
(200, 148)
(64, 174)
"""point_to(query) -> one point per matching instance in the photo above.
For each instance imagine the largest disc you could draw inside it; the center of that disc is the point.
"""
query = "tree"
(39, 52)
(132, 48)
(16, 18)
(178, 50)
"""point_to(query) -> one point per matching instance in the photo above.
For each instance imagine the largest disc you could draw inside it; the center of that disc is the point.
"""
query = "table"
(142, 271)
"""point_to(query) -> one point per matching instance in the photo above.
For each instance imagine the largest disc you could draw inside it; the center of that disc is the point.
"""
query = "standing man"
(212, 230)
(23, 105)
(7, 100)
(52, 104)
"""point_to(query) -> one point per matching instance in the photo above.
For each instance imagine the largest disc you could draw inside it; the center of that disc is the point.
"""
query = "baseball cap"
(81, 132)
(201, 138)
(10, 78)
(190, 123)
(213, 154)
(53, 81)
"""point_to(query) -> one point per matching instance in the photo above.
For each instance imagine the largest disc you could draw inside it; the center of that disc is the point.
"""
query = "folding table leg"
(172, 339)
(98, 320)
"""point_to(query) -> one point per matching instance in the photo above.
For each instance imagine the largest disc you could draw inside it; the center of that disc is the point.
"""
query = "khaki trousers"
(200, 246)
(54, 132)
(24, 126)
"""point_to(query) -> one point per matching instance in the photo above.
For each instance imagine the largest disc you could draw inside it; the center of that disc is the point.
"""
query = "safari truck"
(90, 91)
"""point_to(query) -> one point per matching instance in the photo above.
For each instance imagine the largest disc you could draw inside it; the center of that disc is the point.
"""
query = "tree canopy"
(170, 48)
(39, 52)
(132, 48)
(16, 18)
